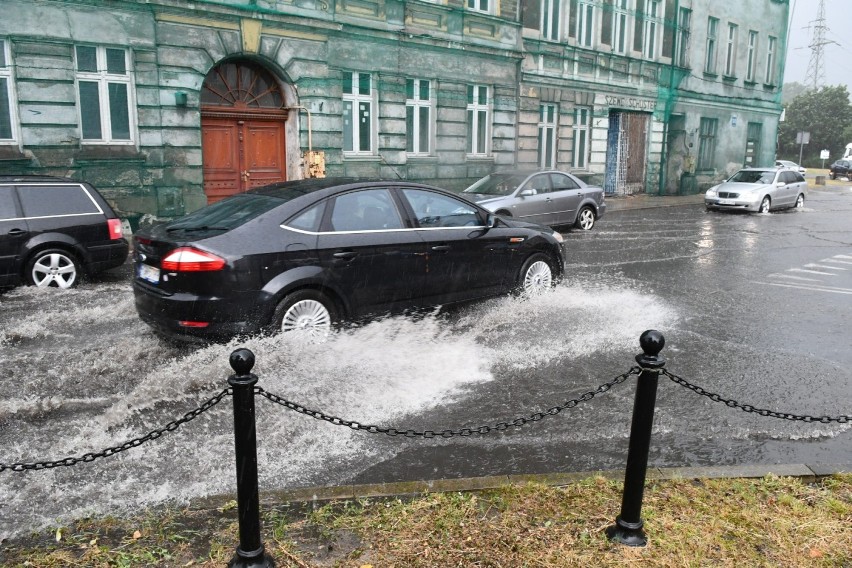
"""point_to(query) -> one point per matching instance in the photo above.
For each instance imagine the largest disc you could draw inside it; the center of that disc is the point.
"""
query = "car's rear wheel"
(536, 275)
(585, 219)
(800, 201)
(765, 204)
(832, 175)
(55, 268)
(307, 312)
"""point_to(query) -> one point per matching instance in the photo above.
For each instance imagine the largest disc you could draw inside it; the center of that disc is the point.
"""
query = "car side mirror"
(491, 221)
(527, 193)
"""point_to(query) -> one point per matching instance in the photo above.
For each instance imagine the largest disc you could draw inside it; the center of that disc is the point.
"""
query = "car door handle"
(16, 232)
(346, 255)
(441, 248)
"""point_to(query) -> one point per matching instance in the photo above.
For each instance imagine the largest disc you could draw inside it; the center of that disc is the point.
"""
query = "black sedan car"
(841, 168)
(306, 254)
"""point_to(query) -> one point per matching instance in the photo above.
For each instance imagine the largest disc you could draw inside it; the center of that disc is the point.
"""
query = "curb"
(806, 472)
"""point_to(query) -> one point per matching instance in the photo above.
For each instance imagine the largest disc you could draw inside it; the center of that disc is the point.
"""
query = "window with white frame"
(731, 51)
(712, 30)
(770, 61)
(7, 124)
(620, 15)
(478, 122)
(752, 52)
(585, 23)
(652, 18)
(547, 117)
(357, 113)
(104, 91)
(550, 12)
(683, 33)
(479, 6)
(418, 116)
(581, 129)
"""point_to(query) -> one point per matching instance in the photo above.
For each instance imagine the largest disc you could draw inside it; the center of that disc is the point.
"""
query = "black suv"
(841, 168)
(53, 231)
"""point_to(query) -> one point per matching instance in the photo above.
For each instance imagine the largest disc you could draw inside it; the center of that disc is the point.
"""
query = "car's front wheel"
(585, 219)
(800, 201)
(54, 268)
(536, 275)
(832, 175)
(765, 204)
(306, 312)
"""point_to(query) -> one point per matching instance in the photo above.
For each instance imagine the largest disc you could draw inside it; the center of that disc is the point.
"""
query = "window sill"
(750, 84)
(710, 75)
(361, 157)
(729, 78)
(769, 87)
(478, 158)
(421, 158)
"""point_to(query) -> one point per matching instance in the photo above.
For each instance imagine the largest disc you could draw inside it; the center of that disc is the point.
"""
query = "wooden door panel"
(220, 154)
(264, 152)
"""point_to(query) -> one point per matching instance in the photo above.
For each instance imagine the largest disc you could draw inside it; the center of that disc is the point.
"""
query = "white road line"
(809, 288)
(843, 256)
(793, 277)
(826, 267)
(812, 271)
(836, 261)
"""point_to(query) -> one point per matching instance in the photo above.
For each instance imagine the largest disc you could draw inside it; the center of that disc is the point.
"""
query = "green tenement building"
(165, 105)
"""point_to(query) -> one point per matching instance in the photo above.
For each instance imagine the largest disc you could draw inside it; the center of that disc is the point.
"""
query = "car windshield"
(753, 176)
(497, 184)
(226, 214)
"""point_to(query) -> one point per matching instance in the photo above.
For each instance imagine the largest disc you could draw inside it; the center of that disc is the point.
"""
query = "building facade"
(166, 105)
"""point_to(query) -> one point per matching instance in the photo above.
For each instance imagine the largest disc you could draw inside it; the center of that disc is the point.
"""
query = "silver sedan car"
(758, 189)
(550, 198)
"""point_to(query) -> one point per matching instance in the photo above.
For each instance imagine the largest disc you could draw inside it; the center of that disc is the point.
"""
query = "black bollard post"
(628, 525)
(250, 552)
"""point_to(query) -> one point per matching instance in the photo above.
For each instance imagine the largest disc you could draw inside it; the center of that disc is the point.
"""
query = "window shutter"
(572, 19)
(669, 28)
(531, 14)
(640, 25)
(606, 23)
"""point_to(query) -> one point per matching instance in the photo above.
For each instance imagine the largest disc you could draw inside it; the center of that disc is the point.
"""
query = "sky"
(837, 52)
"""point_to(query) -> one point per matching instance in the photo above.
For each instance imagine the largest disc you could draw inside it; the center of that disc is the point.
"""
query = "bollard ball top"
(652, 342)
(242, 361)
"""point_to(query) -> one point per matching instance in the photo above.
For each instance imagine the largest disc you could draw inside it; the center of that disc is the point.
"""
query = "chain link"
(843, 419)
(136, 442)
(480, 430)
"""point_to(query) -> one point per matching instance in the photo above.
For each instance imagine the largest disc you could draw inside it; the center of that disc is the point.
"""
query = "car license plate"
(726, 202)
(149, 273)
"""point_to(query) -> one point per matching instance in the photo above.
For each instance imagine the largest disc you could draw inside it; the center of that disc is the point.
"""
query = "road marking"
(793, 277)
(809, 288)
(811, 271)
(836, 261)
(825, 267)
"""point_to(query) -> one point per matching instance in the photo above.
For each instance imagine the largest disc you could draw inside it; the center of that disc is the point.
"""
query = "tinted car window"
(307, 220)
(369, 210)
(226, 214)
(434, 210)
(49, 200)
(788, 177)
(7, 203)
(541, 184)
(561, 182)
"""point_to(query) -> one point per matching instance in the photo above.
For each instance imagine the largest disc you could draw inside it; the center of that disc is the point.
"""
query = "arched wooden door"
(242, 129)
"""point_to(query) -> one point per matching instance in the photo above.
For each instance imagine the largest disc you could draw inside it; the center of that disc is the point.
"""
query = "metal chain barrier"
(843, 419)
(136, 442)
(498, 427)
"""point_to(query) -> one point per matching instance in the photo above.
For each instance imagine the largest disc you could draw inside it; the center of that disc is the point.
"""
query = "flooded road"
(753, 307)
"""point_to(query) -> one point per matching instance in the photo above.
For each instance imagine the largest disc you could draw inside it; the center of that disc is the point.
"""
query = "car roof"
(287, 189)
(28, 178)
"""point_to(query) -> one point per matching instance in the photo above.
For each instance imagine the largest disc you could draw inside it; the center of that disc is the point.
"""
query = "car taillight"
(187, 259)
(114, 226)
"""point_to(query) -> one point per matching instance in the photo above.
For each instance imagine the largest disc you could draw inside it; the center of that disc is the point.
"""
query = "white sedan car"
(790, 165)
(758, 189)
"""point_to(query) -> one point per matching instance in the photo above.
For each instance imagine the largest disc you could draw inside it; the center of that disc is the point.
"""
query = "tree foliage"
(826, 114)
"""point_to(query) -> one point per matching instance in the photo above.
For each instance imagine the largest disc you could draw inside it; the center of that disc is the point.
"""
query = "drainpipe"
(310, 145)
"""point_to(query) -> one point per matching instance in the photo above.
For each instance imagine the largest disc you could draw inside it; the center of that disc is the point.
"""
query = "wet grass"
(769, 522)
